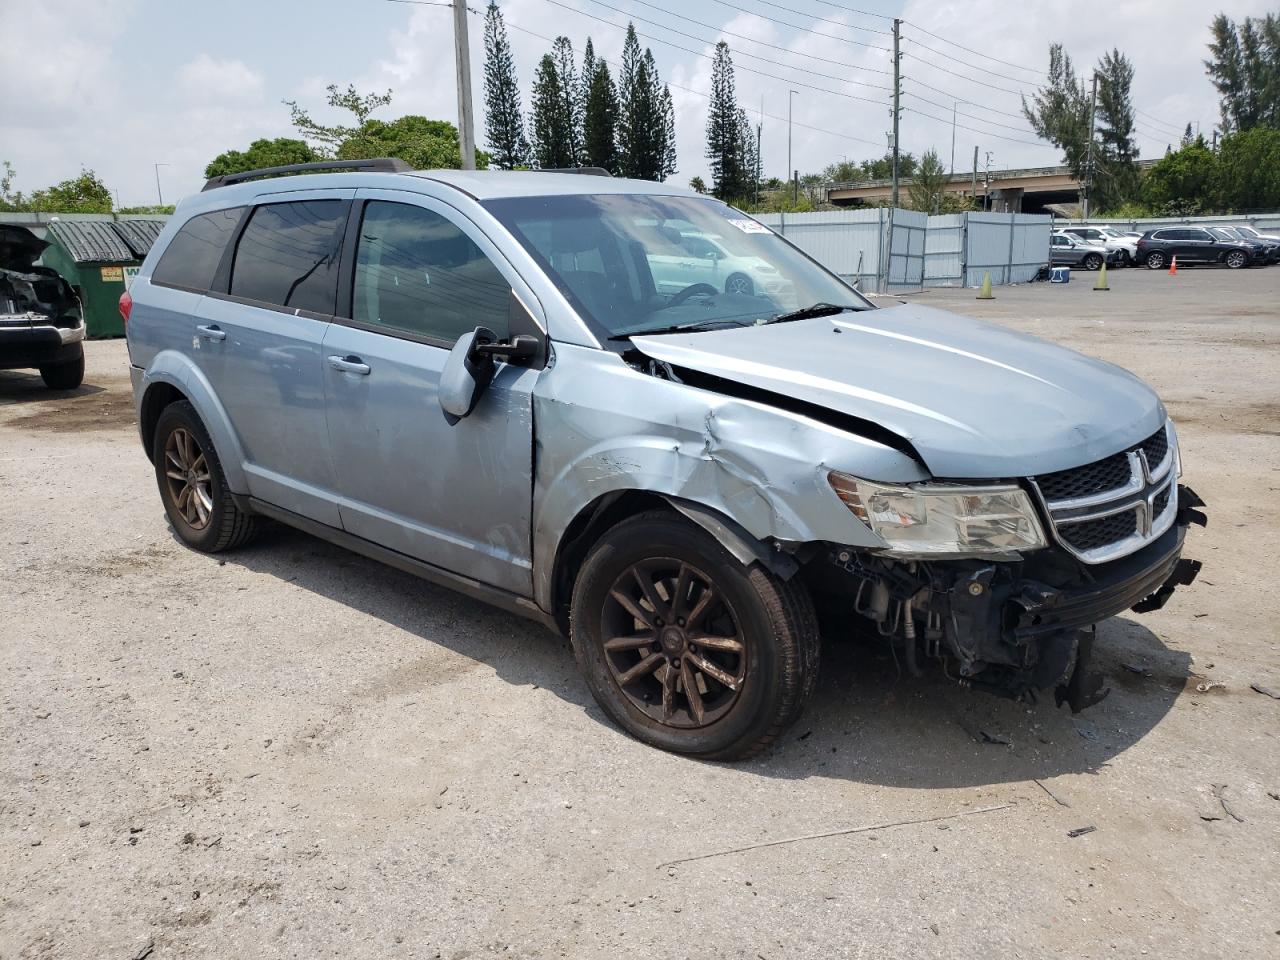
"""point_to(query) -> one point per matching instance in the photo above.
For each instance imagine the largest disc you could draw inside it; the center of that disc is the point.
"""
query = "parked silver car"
(474, 376)
(1068, 250)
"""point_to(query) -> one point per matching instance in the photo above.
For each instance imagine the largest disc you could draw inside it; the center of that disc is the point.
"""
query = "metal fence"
(888, 250)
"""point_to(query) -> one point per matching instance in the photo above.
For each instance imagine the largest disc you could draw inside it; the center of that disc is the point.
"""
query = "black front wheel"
(1236, 259)
(64, 376)
(1156, 260)
(687, 649)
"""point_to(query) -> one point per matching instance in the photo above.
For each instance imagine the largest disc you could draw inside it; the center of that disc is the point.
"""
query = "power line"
(985, 133)
(739, 36)
(978, 53)
(702, 94)
(965, 63)
(1156, 121)
(705, 56)
(800, 13)
(961, 113)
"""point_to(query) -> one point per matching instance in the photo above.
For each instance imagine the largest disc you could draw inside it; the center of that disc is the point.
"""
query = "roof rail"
(588, 171)
(377, 164)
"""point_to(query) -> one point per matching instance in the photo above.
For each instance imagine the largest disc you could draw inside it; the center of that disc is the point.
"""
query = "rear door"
(1199, 246)
(459, 495)
(258, 341)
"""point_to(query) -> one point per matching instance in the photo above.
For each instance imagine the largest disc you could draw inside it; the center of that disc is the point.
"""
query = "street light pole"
(159, 195)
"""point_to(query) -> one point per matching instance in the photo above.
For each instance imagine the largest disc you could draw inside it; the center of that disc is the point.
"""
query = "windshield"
(633, 263)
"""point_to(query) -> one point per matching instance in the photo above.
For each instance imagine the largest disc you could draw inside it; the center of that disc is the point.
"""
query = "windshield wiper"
(813, 310)
(678, 328)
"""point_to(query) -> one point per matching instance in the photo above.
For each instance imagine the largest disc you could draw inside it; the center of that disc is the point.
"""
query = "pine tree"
(552, 126)
(749, 156)
(632, 113)
(668, 154)
(589, 64)
(1245, 70)
(724, 142)
(1116, 155)
(503, 119)
(600, 121)
(571, 97)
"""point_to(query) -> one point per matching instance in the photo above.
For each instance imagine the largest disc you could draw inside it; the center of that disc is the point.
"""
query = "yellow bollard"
(985, 293)
(1102, 278)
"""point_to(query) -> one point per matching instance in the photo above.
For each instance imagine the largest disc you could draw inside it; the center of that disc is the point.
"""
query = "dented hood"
(975, 400)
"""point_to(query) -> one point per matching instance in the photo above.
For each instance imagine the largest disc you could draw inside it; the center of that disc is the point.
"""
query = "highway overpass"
(1025, 190)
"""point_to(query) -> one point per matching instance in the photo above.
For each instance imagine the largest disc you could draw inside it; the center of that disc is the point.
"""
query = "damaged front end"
(1012, 627)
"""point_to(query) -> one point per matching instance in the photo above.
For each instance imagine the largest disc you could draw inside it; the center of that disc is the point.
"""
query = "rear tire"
(64, 376)
(739, 283)
(759, 633)
(1155, 260)
(192, 485)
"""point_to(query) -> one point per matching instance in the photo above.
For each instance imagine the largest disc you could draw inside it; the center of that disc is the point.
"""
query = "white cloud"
(206, 80)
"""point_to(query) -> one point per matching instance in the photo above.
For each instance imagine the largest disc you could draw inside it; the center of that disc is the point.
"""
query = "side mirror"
(466, 375)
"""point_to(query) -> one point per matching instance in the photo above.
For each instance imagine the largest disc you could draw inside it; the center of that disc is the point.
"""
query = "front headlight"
(936, 520)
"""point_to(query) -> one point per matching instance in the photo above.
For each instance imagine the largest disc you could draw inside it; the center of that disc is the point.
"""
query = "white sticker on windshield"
(750, 226)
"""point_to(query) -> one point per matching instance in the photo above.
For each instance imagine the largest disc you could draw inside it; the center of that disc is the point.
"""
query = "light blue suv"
(476, 378)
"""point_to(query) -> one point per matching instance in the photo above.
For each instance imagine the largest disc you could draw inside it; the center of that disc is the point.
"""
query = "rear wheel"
(739, 283)
(64, 376)
(1092, 261)
(1156, 260)
(684, 647)
(193, 487)
(1236, 259)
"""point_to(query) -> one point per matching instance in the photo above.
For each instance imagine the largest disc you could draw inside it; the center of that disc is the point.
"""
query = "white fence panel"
(1012, 247)
(848, 243)
(944, 251)
(906, 250)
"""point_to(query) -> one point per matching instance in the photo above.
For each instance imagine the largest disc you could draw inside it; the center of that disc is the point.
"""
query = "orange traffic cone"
(1173, 267)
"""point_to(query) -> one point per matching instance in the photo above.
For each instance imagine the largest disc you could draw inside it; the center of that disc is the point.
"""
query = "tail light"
(126, 306)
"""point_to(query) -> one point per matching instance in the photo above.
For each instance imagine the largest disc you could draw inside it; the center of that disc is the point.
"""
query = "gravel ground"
(294, 752)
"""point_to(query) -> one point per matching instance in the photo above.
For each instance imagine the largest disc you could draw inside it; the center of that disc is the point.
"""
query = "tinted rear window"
(288, 255)
(192, 257)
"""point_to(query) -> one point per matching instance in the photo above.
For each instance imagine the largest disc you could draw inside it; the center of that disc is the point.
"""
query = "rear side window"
(192, 257)
(288, 255)
(418, 273)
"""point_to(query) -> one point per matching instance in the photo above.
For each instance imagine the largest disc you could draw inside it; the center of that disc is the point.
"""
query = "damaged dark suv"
(476, 377)
(41, 323)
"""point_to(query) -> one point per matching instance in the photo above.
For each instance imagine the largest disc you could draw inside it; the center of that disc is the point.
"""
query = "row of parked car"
(1091, 247)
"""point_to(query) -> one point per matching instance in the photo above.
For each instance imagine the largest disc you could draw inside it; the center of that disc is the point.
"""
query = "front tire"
(64, 376)
(1236, 259)
(1092, 262)
(192, 485)
(687, 649)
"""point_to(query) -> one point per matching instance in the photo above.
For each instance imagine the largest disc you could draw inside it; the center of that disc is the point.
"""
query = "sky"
(121, 86)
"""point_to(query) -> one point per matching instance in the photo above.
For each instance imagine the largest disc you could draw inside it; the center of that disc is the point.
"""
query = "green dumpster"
(94, 256)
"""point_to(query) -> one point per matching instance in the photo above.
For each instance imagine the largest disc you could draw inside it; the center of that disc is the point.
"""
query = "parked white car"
(690, 258)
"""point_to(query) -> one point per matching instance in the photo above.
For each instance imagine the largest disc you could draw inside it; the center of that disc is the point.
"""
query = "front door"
(259, 344)
(457, 495)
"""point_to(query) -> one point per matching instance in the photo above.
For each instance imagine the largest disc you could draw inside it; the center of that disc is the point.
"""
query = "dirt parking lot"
(290, 751)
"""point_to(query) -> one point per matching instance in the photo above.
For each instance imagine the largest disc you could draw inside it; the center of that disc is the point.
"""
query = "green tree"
(83, 194)
(668, 151)
(589, 64)
(927, 191)
(600, 120)
(261, 153)
(1115, 179)
(697, 185)
(423, 144)
(1185, 182)
(1059, 111)
(724, 132)
(552, 126)
(641, 124)
(329, 138)
(504, 121)
(750, 156)
(1249, 170)
(1244, 66)
(570, 95)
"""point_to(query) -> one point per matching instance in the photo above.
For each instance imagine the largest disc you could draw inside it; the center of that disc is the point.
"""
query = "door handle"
(350, 364)
(211, 332)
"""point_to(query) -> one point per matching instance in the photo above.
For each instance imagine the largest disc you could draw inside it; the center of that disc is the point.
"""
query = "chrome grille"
(1116, 505)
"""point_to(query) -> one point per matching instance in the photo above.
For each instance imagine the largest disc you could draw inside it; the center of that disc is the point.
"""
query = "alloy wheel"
(188, 478)
(672, 644)
(739, 285)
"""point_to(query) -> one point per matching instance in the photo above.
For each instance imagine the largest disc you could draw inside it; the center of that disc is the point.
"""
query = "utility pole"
(794, 193)
(973, 185)
(1088, 163)
(897, 90)
(462, 57)
(952, 168)
(986, 184)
